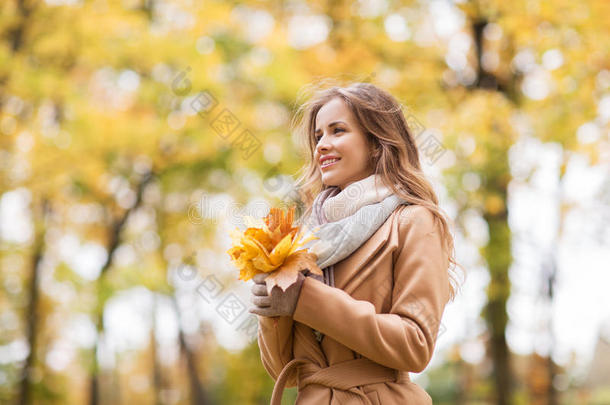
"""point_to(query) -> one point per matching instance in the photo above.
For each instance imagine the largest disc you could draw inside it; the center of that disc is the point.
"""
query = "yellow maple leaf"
(288, 273)
(272, 245)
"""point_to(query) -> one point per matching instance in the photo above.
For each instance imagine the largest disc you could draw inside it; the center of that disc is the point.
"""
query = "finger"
(260, 301)
(262, 311)
(259, 289)
(260, 277)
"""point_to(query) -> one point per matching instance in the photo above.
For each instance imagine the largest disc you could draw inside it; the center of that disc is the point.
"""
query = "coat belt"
(342, 378)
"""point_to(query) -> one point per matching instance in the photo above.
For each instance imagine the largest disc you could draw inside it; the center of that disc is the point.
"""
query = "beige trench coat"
(379, 322)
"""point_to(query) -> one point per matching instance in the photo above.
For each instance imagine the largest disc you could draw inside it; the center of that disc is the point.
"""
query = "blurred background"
(134, 134)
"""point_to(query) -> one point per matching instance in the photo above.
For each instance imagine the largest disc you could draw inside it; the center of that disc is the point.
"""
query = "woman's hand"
(280, 303)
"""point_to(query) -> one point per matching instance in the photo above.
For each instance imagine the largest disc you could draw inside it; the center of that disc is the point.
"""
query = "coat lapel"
(349, 272)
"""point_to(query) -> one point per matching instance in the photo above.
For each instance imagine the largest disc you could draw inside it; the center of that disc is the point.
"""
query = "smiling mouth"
(329, 162)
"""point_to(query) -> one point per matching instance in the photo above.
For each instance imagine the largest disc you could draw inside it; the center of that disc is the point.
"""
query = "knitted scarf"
(343, 220)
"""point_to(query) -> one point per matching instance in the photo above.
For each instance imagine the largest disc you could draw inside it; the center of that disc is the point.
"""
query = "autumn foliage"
(272, 248)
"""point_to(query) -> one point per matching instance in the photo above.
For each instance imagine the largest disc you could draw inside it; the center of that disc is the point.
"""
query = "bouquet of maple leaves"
(270, 246)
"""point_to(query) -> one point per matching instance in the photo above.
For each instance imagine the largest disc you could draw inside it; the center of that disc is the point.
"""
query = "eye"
(317, 137)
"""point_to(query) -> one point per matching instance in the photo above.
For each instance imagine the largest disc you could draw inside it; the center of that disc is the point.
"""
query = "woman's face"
(340, 137)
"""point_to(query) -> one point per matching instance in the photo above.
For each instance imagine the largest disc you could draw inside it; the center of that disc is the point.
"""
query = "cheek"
(356, 152)
(346, 146)
(363, 161)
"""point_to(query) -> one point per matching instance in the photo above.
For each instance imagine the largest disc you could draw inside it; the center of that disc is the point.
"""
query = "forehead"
(335, 109)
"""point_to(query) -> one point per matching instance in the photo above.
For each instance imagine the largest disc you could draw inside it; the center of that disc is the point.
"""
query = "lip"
(327, 166)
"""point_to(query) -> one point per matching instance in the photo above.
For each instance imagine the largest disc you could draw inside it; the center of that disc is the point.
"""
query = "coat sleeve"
(404, 338)
(275, 344)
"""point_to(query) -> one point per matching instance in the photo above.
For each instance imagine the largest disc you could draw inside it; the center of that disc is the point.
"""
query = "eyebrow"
(330, 125)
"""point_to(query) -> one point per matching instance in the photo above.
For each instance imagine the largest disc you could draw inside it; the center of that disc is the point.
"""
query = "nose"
(322, 145)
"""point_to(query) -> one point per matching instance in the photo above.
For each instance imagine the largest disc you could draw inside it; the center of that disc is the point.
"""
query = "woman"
(353, 335)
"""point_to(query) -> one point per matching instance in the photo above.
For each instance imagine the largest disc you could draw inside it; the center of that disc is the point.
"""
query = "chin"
(330, 181)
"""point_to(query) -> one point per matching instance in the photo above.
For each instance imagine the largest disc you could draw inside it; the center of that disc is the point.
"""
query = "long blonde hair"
(394, 156)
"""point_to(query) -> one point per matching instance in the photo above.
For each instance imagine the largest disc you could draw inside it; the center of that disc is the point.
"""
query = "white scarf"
(344, 219)
(353, 197)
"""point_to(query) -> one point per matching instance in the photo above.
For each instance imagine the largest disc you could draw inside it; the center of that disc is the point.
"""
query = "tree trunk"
(497, 253)
(157, 376)
(32, 314)
(114, 242)
(550, 277)
(198, 394)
